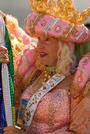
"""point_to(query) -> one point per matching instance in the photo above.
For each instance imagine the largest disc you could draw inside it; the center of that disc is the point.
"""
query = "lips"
(43, 54)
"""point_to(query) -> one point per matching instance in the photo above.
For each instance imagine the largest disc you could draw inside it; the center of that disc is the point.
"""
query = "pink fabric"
(83, 72)
(26, 40)
(24, 64)
(52, 114)
(36, 26)
(41, 128)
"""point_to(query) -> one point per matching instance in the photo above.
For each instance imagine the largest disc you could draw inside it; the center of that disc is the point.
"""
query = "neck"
(51, 69)
(49, 72)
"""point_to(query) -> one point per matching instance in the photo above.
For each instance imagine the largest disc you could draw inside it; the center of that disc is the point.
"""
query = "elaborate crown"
(63, 9)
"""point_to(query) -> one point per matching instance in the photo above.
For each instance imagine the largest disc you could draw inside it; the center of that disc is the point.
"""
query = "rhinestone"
(57, 28)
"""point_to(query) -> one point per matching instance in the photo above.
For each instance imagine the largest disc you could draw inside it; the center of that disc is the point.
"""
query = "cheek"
(53, 54)
(55, 50)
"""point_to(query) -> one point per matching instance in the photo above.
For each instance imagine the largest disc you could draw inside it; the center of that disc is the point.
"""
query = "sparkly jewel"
(57, 28)
(48, 72)
(43, 23)
(46, 76)
(28, 114)
(79, 79)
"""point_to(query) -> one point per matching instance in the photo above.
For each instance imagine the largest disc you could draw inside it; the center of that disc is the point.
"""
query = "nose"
(41, 42)
(40, 45)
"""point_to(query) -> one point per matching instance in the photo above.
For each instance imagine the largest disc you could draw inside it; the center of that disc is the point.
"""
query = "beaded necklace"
(48, 72)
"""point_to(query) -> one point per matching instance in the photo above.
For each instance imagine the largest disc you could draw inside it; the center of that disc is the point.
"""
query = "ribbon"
(10, 73)
(2, 110)
(7, 77)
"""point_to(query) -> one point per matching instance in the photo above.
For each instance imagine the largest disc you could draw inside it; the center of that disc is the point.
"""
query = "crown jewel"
(63, 9)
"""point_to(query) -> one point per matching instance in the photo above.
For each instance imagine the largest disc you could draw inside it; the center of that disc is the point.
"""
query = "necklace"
(48, 73)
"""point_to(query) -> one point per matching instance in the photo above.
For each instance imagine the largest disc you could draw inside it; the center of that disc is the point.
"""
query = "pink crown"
(38, 24)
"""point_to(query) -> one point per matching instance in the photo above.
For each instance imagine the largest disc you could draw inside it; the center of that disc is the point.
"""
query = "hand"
(13, 130)
(4, 55)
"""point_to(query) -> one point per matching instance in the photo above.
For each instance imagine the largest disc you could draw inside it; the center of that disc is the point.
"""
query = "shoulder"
(80, 98)
(65, 84)
(82, 77)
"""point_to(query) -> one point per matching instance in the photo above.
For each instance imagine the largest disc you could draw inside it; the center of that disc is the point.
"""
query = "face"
(47, 51)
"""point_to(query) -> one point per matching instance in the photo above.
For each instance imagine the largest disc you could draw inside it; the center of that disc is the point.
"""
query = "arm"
(80, 98)
(80, 114)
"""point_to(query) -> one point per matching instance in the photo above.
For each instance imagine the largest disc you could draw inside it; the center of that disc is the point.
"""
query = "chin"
(46, 64)
(43, 62)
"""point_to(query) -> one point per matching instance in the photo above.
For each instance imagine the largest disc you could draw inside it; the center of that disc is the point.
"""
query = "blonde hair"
(66, 59)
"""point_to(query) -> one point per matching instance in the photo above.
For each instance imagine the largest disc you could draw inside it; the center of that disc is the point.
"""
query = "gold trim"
(63, 9)
(34, 22)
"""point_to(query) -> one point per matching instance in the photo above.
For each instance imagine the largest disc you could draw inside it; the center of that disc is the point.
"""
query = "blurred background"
(18, 8)
(21, 8)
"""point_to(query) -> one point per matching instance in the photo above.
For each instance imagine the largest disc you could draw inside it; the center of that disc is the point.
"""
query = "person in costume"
(56, 97)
